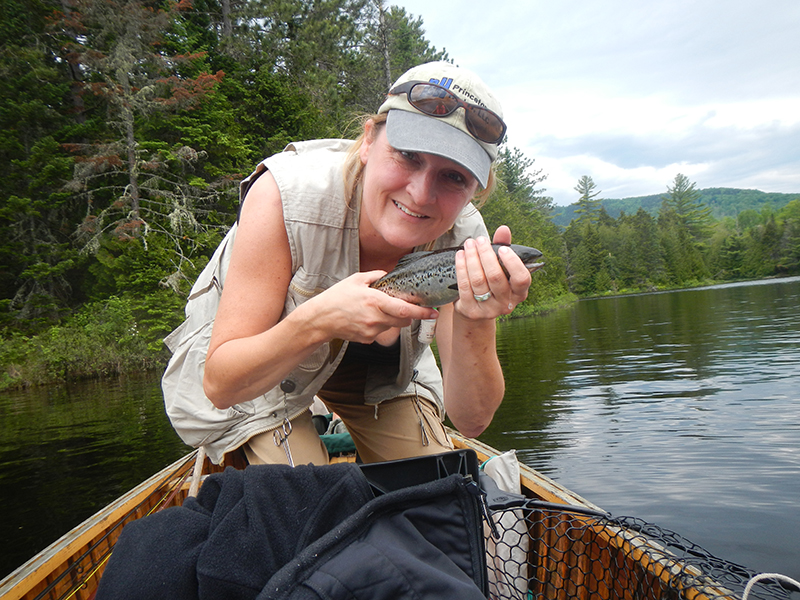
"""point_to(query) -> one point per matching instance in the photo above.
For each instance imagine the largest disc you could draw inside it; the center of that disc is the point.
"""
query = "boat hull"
(558, 545)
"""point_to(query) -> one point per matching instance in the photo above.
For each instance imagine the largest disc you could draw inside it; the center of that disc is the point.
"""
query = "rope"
(762, 576)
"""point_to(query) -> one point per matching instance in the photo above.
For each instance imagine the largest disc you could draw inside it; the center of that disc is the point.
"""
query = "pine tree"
(790, 249)
(730, 260)
(588, 204)
(393, 41)
(40, 271)
(649, 262)
(692, 215)
(136, 185)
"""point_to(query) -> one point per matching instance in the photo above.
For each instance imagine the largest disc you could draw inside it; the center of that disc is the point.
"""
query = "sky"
(633, 92)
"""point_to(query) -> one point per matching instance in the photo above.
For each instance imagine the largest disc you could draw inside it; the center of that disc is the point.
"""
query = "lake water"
(66, 452)
(680, 408)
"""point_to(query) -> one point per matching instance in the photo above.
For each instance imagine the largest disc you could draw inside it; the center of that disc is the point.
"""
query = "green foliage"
(588, 203)
(103, 338)
(789, 258)
(35, 252)
(585, 258)
(683, 247)
(275, 113)
(687, 212)
(724, 202)
(518, 203)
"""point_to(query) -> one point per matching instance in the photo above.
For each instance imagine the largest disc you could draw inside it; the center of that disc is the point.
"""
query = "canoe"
(550, 544)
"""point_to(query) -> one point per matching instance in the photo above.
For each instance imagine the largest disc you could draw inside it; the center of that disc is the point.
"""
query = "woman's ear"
(369, 138)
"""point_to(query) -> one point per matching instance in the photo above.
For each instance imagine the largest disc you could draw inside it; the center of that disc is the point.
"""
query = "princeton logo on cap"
(445, 82)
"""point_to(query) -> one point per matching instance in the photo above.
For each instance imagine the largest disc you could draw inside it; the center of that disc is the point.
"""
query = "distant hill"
(724, 202)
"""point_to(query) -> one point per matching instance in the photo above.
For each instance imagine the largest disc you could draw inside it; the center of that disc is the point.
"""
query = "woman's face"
(409, 198)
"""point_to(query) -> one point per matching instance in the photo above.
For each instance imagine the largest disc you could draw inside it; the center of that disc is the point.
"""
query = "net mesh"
(540, 550)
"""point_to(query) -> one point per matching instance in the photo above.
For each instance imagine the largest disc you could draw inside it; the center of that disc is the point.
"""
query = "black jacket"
(273, 532)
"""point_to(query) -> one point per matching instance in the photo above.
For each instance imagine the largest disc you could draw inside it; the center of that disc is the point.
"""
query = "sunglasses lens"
(485, 125)
(432, 100)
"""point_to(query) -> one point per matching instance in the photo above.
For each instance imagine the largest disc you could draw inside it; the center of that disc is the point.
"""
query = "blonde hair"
(354, 168)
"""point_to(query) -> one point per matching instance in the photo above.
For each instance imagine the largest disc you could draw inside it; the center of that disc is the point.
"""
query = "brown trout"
(429, 278)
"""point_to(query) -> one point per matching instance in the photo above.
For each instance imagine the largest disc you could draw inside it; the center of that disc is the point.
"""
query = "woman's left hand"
(484, 290)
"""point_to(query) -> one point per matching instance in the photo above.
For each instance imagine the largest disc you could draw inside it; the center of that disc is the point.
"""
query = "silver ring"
(482, 297)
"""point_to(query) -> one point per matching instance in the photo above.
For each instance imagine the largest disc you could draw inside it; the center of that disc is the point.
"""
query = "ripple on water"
(680, 408)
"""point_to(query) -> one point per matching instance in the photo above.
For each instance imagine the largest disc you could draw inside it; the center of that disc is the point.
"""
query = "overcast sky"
(632, 92)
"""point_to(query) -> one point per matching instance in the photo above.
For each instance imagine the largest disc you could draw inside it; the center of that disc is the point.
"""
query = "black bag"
(334, 532)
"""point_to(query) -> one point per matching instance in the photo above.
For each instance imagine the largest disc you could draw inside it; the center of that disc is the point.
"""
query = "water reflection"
(65, 452)
(681, 408)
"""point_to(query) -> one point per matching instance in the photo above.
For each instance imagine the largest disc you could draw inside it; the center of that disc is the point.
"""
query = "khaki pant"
(400, 428)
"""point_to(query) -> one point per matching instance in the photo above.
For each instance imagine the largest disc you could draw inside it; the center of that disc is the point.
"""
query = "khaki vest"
(323, 238)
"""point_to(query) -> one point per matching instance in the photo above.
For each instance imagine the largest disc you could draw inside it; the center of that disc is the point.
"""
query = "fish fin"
(409, 258)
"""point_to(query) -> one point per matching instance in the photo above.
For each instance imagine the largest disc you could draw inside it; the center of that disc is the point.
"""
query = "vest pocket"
(303, 287)
(318, 359)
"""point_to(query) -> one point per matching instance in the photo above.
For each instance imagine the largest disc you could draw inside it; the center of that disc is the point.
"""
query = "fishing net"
(541, 550)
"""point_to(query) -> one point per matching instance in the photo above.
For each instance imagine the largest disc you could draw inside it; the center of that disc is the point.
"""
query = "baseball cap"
(410, 129)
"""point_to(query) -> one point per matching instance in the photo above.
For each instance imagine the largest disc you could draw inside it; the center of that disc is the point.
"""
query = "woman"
(322, 221)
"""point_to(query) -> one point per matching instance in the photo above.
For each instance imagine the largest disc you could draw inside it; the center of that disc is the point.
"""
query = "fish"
(428, 278)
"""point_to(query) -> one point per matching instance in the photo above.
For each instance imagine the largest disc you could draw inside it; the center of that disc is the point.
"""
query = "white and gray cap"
(411, 130)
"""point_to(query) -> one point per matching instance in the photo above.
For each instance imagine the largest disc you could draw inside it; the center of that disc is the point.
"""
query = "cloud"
(765, 157)
(632, 93)
(692, 144)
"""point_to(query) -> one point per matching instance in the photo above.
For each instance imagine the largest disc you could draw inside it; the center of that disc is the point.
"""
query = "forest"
(126, 125)
(723, 202)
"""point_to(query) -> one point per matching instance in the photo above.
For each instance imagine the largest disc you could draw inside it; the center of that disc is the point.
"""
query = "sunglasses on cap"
(437, 101)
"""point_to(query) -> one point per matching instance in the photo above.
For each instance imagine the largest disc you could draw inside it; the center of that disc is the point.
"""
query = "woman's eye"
(457, 177)
(408, 155)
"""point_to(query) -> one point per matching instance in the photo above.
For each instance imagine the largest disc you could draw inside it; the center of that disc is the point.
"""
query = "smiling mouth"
(408, 212)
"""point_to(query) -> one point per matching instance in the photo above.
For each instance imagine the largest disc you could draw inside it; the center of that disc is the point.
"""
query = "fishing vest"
(322, 229)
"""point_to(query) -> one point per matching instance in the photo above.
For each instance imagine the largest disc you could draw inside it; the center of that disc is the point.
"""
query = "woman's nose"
(422, 187)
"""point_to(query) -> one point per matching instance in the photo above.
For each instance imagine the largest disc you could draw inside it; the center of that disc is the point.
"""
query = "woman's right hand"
(351, 310)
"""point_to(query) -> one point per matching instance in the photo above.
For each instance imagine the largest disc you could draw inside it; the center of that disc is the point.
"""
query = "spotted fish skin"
(429, 278)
